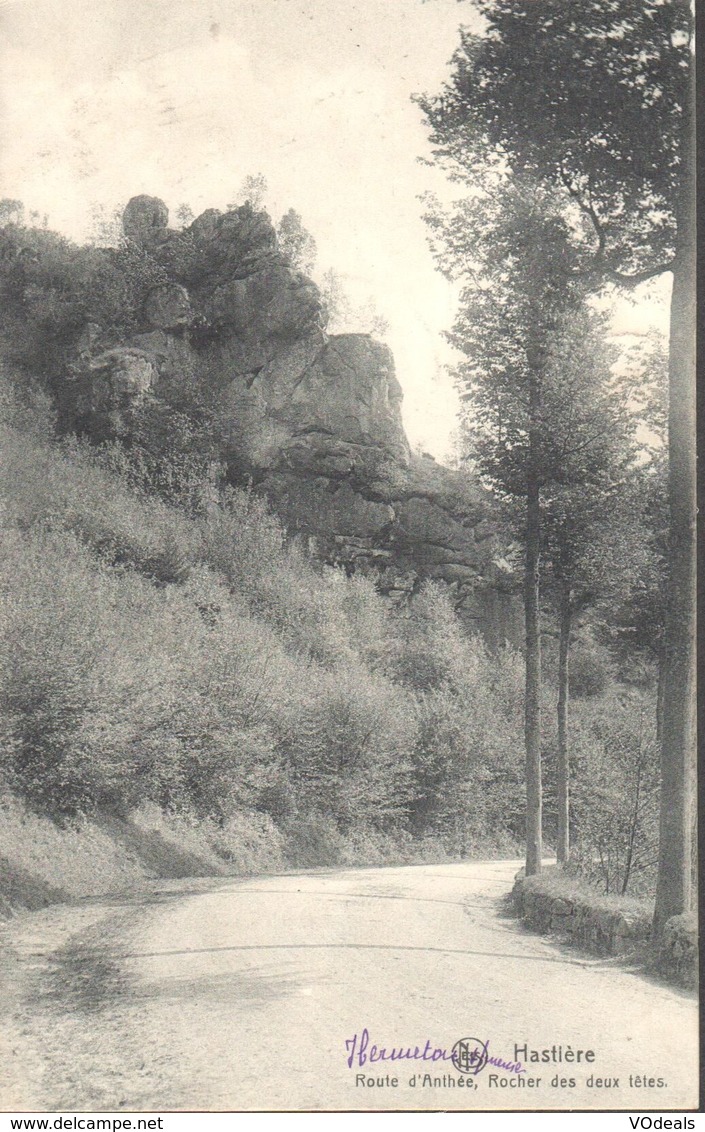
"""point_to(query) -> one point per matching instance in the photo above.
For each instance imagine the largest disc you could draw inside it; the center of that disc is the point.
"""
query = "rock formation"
(313, 421)
(145, 219)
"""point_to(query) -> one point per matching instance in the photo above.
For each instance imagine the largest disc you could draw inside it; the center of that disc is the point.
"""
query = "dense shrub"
(468, 761)
(312, 840)
(589, 671)
(467, 767)
(615, 792)
(429, 648)
(349, 743)
(68, 668)
(51, 289)
(171, 454)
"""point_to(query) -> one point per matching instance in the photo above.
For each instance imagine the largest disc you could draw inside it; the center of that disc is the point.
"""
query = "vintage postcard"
(347, 665)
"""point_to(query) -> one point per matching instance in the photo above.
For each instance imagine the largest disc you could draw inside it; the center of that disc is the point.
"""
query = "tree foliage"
(598, 103)
(548, 425)
(253, 190)
(592, 100)
(296, 242)
(345, 316)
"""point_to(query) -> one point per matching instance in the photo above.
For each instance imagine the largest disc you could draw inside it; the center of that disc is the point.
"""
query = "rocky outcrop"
(168, 307)
(113, 385)
(311, 420)
(145, 220)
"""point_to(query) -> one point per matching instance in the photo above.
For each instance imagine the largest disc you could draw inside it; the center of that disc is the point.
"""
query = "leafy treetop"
(594, 97)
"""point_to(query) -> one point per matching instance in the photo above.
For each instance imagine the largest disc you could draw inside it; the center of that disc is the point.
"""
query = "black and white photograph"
(347, 559)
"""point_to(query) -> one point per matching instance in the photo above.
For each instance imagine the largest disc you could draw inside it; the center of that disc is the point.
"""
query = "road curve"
(242, 994)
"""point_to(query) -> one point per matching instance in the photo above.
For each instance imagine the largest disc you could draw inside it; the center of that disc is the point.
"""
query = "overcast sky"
(103, 99)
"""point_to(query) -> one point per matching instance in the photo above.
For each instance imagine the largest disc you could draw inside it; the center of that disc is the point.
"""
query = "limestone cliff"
(313, 421)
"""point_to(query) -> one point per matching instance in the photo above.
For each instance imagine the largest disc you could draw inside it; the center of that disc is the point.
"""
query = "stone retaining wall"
(602, 930)
(609, 931)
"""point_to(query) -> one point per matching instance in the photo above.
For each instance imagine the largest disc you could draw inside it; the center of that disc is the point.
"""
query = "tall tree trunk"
(563, 767)
(674, 885)
(660, 689)
(633, 824)
(532, 700)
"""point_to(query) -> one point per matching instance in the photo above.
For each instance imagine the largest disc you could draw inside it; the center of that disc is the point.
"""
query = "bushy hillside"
(203, 666)
(238, 613)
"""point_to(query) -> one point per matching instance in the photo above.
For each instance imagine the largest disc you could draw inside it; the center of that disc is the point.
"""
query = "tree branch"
(567, 452)
(588, 210)
(615, 276)
(639, 276)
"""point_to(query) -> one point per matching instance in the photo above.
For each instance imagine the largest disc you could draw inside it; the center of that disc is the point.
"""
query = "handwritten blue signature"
(470, 1059)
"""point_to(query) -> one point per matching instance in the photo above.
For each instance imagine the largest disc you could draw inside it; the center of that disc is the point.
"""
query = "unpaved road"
(241, 994)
